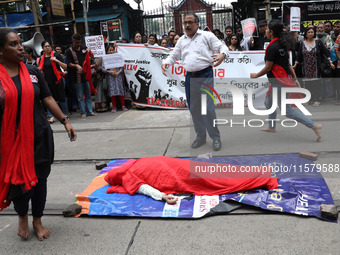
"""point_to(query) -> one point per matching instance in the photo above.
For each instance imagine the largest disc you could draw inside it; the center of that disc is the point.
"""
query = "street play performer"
(281, 74)
(196, 49)
(26, 146)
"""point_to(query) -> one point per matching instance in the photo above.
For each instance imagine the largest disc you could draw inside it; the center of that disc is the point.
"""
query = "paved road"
(139, 133)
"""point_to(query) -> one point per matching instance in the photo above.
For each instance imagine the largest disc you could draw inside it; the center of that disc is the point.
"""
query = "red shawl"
(58, 74)
(281, 75)
(88, 72)
(172, 175)
(17, 146)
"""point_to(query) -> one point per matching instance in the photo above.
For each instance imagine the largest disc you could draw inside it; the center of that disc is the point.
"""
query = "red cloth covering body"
(172, 175)
(17, 143)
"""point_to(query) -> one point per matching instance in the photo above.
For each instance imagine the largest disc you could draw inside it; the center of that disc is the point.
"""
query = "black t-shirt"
(259, 42)
(279, 56)
(81, 59)
(43, 135)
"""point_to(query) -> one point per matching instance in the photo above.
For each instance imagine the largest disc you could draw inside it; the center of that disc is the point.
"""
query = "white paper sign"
(96, 45)
(249, 27)
(113, 61)
(295, 19)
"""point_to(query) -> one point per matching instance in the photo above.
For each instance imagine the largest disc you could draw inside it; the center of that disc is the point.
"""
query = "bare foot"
(23, 229)
(42, 233)
(317, 129)
(271, 130)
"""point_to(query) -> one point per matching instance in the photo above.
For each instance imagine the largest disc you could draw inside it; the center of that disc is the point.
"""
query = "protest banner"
(112, 61)
(249, 27)
(295, 19)
(96, 45)
(312, 12)
(104, 32)
(114, 30)
(149, 87)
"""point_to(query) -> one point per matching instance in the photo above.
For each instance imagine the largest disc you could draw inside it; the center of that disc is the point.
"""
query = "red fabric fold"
(17, 145)
(58, 74)
(172, 175)
(88, 73)
(281, 75)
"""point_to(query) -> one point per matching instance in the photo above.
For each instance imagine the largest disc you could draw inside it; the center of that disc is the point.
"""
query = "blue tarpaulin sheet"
(18, 19)
(301, 191)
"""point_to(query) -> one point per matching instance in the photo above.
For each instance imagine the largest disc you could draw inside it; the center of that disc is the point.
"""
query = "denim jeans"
(63, 106)
(202, 123)
(84, 106)
(290, 112)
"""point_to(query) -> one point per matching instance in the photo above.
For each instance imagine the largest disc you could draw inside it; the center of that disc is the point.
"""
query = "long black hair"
(3, 36)
(287, 42)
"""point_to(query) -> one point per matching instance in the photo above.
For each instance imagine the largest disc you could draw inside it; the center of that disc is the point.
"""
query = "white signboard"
(295, 19)
(96, 45)
(249, 27)
(147, 85)
(113, 61)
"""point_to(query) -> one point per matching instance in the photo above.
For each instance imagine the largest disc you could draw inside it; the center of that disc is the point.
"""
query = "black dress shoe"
(197, 143)
(217, 145)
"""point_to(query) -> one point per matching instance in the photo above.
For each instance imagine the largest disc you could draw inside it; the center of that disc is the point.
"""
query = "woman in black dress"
(49, 64)
(26, 146)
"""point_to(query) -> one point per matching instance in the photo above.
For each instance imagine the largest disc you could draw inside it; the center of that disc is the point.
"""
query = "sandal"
(124, 109)
(114, 109)
(316, 104)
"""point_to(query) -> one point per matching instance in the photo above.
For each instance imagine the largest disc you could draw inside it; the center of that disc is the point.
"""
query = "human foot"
(23, 229)
(317, 129)
(41, 232)
(271, 130)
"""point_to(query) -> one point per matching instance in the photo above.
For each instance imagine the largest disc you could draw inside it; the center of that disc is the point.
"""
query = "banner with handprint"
(147, 85)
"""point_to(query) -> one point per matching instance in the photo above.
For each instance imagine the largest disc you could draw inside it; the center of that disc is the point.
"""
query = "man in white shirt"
(196, 49)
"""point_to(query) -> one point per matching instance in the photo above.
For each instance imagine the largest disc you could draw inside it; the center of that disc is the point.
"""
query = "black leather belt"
(198, 73)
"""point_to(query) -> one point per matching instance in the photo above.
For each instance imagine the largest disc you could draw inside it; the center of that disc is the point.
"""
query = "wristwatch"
(64, 119)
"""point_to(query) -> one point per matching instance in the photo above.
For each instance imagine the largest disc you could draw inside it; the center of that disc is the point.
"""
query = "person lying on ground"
(168, 175)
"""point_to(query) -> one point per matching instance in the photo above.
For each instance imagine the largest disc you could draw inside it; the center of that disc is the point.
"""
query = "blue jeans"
(202, 123)
(290, 112)
(84, 106)
(63, 106)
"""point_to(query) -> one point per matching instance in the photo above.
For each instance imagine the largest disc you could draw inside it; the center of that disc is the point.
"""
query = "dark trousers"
(37, 195)
(314, 88)
(194, 87)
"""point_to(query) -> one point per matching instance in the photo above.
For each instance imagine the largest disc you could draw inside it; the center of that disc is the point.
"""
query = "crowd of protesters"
(313, 46)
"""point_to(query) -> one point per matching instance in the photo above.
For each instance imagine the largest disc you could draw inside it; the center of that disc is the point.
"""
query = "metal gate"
(161, 20)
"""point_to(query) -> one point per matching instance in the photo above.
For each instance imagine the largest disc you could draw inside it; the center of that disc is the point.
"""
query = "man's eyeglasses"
(188, 22)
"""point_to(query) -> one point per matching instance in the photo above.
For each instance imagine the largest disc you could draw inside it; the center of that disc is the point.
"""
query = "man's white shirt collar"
(199, 31)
